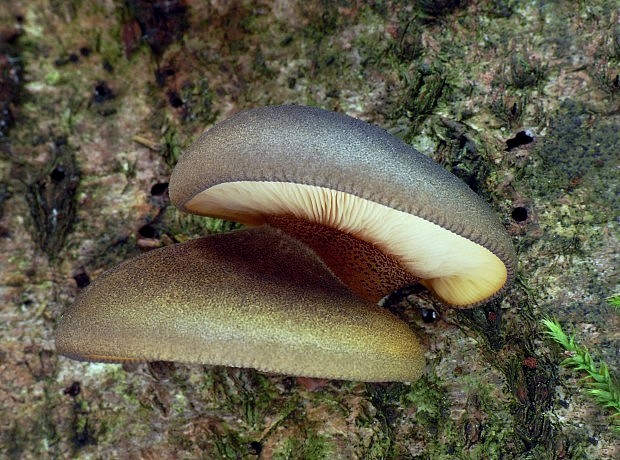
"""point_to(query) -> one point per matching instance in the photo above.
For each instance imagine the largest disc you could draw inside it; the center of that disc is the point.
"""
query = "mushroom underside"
(372, 248)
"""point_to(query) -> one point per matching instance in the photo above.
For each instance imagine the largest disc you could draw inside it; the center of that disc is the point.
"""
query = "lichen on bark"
(113, 92)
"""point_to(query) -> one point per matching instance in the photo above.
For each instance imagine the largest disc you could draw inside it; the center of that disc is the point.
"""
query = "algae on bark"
(455, 79)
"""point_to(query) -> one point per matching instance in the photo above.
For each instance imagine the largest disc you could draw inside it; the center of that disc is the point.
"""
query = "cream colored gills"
(388, 249)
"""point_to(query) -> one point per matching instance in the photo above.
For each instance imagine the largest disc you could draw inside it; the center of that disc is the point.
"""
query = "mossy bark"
(99, 98)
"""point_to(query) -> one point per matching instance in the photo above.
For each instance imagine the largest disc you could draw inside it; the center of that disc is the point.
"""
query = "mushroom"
(381, 215)
(250, 298)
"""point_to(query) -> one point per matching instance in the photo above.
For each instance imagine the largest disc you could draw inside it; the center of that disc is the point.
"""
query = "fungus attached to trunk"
(252, 298)
(347, 199)
(381, 215)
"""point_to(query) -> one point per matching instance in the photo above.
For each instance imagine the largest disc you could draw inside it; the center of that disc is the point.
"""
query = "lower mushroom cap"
(251, 298)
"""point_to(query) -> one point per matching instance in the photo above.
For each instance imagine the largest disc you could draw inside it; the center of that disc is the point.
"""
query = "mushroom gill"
(381, 215)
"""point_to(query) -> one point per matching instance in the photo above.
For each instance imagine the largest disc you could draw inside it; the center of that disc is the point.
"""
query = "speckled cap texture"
(312, 146)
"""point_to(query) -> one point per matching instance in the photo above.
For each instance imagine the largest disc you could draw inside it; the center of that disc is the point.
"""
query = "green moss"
(530, 375)
(488, 428)
(198, 104)
(486, 323)
(433, 425)
(54, 77)
(614, 300)
(38, 435)
(230, 446)
(509, 109)
(607, 79)
(484, 430)
(424, 86)
(83, 433)
(247, 393)
(125, 166)
(51, 198)
(376, 51)
(379, 418)
(171, 147)
(462, 154)
(312, 447)
(526, 71)
(183, 226)
(323, 19)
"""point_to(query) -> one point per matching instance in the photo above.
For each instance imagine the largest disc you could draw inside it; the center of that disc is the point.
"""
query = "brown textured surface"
(360, 265)
(312, 146)
(251, 298)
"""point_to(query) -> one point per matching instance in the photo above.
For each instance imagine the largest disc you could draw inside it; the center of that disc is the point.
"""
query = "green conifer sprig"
(597, 380)
(614, 301)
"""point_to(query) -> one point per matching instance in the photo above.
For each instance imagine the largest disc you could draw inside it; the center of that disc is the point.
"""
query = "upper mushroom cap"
(379, 213)
(219, 300)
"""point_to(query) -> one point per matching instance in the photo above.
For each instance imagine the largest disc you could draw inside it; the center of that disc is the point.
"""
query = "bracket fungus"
(381, 215)
(344, 213)
(249, 298)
